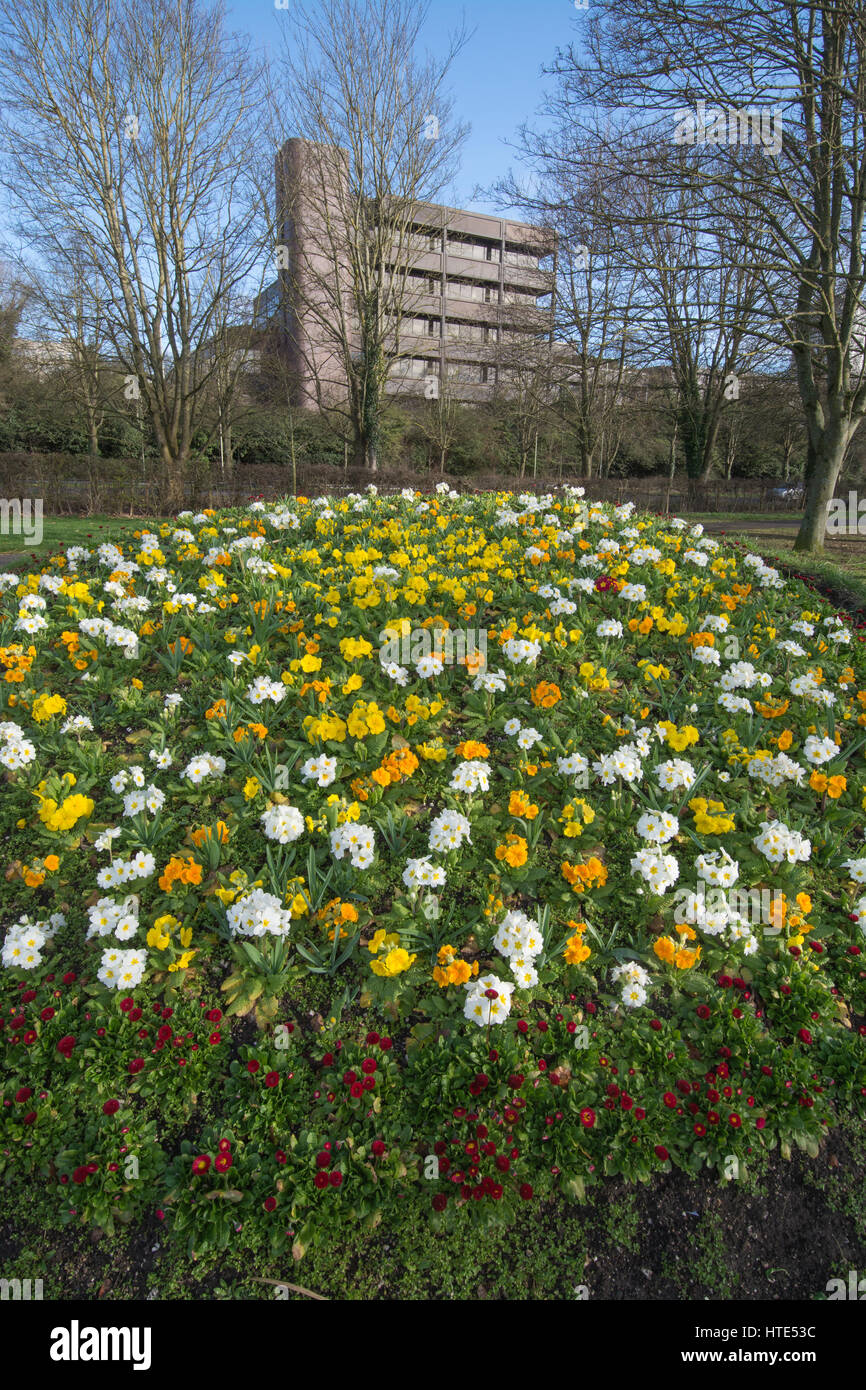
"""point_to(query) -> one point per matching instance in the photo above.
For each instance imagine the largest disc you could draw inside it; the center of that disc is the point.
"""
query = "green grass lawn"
(75, 530)
(842, 565)
(743, 516)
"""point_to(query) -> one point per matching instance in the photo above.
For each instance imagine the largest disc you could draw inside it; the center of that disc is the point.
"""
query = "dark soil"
(782, 1236)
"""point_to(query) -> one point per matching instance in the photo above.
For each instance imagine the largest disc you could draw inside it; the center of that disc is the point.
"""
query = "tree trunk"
(787, 450)
(709, 431)
(173, 475)
(811, 458)
(698, 438)
(825, 463)
(693, 453)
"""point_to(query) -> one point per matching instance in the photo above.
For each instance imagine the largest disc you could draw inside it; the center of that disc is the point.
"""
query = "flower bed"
(463, 851)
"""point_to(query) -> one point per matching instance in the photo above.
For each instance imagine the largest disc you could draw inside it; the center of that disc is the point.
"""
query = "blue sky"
(496, 81)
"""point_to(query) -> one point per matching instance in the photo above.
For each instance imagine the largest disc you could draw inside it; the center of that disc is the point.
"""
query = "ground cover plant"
(460, 851)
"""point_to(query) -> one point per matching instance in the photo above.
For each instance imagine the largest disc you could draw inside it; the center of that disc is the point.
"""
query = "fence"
(72, 485)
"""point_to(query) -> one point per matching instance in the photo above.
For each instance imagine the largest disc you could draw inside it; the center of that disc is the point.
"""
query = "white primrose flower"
(448, 831)
(420, 873)
(488, 1000)
(657, 827)
(356, 840)
(258, 913)
(819, 750)
(777, 843)
(322, 770)
(470, 776)
(284, 824)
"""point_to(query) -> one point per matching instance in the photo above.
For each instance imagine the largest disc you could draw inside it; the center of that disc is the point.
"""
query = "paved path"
(773, 523)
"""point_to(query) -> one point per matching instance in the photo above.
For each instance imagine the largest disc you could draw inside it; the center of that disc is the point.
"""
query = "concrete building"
(476, 288)
(42, 356)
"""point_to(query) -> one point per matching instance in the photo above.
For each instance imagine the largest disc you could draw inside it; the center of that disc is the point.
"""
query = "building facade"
(473, 290)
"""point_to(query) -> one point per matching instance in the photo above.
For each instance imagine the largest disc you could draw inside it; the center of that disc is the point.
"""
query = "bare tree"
(699, 310)
(594, 287)
(730, 437)
(131, 132)
(226, 365)
(14, 296)
(776, 89)
(437, 419)
(594, 305)
(279, 377)
(530, 376)
(377, 144)
(66, 305)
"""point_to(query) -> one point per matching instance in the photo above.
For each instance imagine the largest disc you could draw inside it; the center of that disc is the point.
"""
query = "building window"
(408, 367)
(466, 332)
(470, 372)
(464, 289)
(522, 258)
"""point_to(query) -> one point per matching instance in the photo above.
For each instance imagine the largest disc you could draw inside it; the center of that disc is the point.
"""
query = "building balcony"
(456, 349)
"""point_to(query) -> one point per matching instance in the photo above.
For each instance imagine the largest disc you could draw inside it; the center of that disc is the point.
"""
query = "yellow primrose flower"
(45, 706)
(395, 963)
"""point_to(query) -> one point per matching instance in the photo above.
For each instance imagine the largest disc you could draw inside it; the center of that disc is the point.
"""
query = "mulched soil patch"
(781, 1240)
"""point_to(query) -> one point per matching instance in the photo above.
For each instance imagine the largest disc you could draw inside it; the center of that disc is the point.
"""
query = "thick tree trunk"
(174, 475)
(822, 470)
(710, 432)
(693, 452)
(811, 458)
(698, 431)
